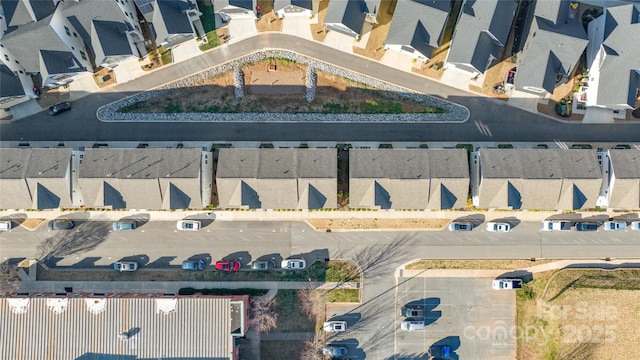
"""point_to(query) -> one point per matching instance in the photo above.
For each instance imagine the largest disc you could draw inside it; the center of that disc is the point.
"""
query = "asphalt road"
(377, 252)
(491, 120)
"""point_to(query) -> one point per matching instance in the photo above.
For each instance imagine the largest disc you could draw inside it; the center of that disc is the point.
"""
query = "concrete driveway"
(241, 29)
(298, 26)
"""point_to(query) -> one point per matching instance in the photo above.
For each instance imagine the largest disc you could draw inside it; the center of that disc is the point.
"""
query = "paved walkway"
(555, 265)
(166, 287)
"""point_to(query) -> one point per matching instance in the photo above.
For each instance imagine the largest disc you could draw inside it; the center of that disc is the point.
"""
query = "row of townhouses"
(58, 40)
(383, 179)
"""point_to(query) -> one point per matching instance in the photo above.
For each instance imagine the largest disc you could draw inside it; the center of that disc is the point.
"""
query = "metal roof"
(91, 328)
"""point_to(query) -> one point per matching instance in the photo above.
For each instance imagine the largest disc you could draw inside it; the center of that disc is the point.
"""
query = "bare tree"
(9, 278)
(312, 301)
(312, 350)
(264, 318)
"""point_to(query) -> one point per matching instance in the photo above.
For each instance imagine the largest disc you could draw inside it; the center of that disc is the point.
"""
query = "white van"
(5, 225)
(412, 325)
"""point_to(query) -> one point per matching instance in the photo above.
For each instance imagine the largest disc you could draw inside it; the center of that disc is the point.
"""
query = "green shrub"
(187, 291)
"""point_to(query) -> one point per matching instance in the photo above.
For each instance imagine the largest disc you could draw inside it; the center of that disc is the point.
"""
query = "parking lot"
(465, 314)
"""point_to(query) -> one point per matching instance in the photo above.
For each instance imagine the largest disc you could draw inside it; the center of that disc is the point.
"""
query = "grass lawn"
(278, 350)
(343, 295)
(213, 40)
(335, 271)
(475, 264)
(290, 315)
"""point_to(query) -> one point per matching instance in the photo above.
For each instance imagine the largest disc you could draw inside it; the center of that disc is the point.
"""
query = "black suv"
(584, 226)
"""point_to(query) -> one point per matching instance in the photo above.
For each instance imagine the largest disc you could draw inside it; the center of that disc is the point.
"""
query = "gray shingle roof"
(242, 4)
(479, 23)
(625, 193)
(625, 163)
(169, 19)
(10, 84)
(43, 43)
(20, 12)
(141, 178)
(305, 4)
(90, 328)
(539, 179)
(34, 178)
(620, 70)
(277, 178)
(350, 13)
(419, 24)
(553, 47)
(101, 24)
(408, 179)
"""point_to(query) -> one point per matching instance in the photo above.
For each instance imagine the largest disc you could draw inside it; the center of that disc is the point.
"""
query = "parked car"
(412, 325)
(412, 311)
(556, 225)
(263, 265)
(60, 224)
(460, 226)
(193, 265)
(125, 266)
(59, 108)
(439, 351)
(334, 326)
(189, 225)
(635, 225)
(614, 225)
(585, 226)
(293, 264)
(498, 227)
(5, 225)
(228, 265)
(506, 284)
(335, 350)
(124, 225)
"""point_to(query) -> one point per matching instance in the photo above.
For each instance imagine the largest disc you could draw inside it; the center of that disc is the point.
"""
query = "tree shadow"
(598, 219)
(86, 262)
(565, 217)
(80, 216)
(475, 219)
(583, 350)
(206, 257)
(565, 288)
(242, 256)
(161, 262)
(523, 275)
(408, 356)
(142, 259)
(350, 318)
(628, 217)
(374, 261)
(87, 236)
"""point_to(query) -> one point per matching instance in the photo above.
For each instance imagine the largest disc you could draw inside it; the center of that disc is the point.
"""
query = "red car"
(228, 265)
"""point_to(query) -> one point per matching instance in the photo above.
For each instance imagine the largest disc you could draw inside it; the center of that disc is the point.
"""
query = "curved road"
(491, 120)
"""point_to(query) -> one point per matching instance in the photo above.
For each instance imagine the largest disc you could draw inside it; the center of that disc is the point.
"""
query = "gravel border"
(454, 112)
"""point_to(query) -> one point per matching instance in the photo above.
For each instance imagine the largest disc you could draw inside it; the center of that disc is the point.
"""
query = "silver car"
(460, 226)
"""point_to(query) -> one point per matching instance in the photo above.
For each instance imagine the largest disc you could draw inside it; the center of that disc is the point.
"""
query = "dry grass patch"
(378, 224)
(31, 224)
(581, 316)
(494, 75)
(475, 264)
(268, 20)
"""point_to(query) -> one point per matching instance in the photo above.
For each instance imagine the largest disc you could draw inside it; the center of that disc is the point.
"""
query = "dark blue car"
(584, 226)
(193, 265)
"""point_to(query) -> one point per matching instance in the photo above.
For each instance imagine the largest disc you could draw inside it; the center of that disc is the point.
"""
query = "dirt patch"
(493, 76)
(268, 20)
(378, 224)
(475, 264)
(318, 31)
(31, 224)
(375, 45)
(576, 322)
(334, 94)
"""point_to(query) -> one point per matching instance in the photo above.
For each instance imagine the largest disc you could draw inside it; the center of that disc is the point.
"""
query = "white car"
(189, 225)
(5, 225)
(125, 266)
(498, 227)
(335, 326)
(293, 264)
(460, 226)
(635, 225)
(614, 225)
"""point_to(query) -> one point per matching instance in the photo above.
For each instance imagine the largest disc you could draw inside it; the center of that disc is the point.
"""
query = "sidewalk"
(168, 287)
(556, 265)
(292, 215)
